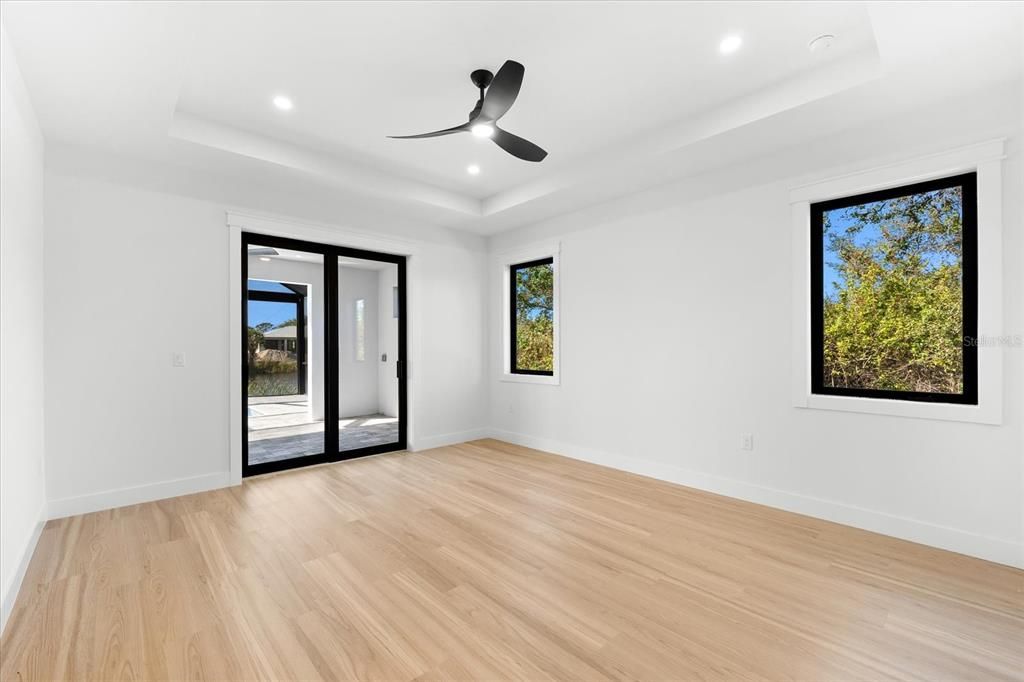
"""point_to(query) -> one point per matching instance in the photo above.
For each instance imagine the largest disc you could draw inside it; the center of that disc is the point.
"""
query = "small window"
(532, 306)
(894, 293)
(360, 330)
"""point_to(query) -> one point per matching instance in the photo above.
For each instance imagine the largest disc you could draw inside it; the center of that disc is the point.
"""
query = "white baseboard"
(428, 442)
(988, 548)
(111, 499)
(11, 590)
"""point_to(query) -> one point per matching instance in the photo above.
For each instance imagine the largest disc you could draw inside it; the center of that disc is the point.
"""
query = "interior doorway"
(323, 341)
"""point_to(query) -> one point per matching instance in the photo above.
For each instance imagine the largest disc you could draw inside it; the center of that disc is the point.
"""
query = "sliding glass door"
(369, 414)
(323, 336)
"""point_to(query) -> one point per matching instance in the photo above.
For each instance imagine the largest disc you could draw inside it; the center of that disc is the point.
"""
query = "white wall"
(150, 268)
(22, 489)
(387, 341)
(675, 334)
(358, 390)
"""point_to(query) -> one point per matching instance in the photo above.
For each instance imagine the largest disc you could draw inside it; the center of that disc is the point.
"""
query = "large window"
(532, 317)
(894, 293)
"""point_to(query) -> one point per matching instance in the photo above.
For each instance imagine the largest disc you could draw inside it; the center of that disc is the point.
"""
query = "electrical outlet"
(747, 441)
(178, 359)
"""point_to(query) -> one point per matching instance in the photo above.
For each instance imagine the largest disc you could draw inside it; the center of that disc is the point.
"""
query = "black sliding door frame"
(330, 254)
(299, 300)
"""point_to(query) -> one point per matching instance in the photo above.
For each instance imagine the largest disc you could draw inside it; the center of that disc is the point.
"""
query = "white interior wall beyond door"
(357, 341)
(387, 340)
(22, 489)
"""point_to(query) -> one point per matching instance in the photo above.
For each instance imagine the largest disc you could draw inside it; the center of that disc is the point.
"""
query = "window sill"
(530, 379)
(976, 414)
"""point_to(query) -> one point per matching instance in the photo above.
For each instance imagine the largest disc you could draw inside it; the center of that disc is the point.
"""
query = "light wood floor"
(490, 561)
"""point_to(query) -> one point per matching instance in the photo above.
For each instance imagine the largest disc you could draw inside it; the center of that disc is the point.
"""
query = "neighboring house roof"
(281, 333)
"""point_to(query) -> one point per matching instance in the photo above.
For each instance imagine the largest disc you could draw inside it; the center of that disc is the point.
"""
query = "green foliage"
(535, 345)
(287, 323)
(272, 384)
(255, 340)
(276, 366)
(895, 320)
(534, 318)
(269, 377)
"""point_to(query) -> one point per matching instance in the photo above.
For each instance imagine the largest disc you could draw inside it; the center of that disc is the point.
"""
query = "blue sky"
(867, 235)
(263, 285)
(840, 222)
(269, 311)
(532, 312)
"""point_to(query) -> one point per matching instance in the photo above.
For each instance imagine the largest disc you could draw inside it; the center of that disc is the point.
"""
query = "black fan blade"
(436, 133)
(503, 90)
(517, 146)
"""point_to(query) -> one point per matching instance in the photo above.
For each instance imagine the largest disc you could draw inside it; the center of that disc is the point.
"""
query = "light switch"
(178, 359)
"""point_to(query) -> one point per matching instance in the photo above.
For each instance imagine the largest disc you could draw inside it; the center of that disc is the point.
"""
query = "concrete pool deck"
(280, 428)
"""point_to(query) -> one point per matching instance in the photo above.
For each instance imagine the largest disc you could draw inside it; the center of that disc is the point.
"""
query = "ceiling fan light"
(482, 130)
(730, 44)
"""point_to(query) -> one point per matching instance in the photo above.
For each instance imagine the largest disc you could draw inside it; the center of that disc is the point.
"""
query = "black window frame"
(513, 309)
(299, 300)
(968, 182)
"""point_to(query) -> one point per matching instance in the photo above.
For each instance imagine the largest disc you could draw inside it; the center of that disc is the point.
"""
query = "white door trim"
(238, 222)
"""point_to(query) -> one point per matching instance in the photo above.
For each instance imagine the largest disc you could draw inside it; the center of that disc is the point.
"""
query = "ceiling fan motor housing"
(481, 78)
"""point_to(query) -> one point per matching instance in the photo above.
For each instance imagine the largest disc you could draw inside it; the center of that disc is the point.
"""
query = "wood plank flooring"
(491, 561)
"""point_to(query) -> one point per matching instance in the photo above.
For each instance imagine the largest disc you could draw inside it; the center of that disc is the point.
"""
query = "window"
(532, 317)
(361, 330)
(894, 303)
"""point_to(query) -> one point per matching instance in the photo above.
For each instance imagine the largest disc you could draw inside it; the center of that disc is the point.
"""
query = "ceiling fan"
(502, 89)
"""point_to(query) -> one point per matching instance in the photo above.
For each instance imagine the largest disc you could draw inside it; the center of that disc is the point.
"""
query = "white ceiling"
(614, 91)
(596, 74)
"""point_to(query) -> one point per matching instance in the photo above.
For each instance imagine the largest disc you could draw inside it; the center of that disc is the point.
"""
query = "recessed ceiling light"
(283, 103)
(473, 169)
(730, 44)
(482, 130)
(822, 42)
(264, 259)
